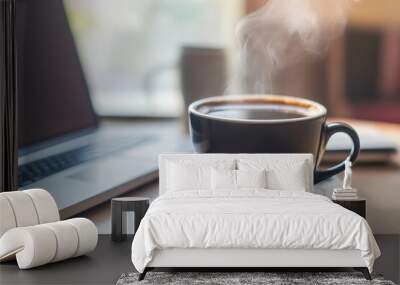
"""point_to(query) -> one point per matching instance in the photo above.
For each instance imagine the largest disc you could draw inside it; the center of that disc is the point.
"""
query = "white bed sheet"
(250, 219)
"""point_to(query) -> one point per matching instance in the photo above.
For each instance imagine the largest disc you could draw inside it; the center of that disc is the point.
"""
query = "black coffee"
(265, 124)
(257, 111)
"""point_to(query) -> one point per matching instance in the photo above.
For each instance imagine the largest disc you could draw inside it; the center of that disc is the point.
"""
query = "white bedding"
(250, 219)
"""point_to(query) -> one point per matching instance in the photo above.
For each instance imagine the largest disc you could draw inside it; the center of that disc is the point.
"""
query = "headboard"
(163, 159)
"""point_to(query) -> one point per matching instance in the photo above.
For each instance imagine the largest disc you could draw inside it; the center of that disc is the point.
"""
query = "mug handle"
(331, 129)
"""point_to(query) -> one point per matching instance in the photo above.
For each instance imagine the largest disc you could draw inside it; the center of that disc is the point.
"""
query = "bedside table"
(119, 206)
(358, 206)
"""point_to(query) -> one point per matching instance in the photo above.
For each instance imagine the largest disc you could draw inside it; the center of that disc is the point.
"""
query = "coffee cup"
(266, 124)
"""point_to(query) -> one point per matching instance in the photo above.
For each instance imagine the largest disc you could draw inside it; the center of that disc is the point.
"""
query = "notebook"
(376, 147)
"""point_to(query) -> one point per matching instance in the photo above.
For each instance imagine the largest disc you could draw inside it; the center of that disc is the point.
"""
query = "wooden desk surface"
(379, 184)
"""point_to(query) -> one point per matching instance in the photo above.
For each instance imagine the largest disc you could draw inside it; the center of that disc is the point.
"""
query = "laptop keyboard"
(39, 169)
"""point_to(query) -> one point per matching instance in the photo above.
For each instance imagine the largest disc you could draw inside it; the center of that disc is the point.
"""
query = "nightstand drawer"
(357, 206)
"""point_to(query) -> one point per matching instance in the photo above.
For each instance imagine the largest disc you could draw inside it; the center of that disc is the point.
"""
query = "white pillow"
(281, 174)
(188, 177)
(226, 179)
(223, 179)
(251, 178)
(193, 175)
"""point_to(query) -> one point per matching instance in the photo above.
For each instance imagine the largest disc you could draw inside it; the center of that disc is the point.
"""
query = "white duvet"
(250, 219)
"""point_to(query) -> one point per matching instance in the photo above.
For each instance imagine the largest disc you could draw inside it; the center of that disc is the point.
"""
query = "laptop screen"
(53, 98)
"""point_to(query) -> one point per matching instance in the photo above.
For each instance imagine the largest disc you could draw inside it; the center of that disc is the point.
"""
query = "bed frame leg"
(143, 274)
(364, 271)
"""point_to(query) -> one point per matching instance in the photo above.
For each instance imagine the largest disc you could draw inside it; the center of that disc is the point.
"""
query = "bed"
(247, 210)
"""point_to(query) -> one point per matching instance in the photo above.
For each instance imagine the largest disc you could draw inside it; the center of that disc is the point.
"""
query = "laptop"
(62, 146)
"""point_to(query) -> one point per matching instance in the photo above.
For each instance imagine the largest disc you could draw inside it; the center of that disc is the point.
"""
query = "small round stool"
(119, 207)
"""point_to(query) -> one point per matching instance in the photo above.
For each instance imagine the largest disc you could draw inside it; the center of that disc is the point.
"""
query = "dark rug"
(228, 278)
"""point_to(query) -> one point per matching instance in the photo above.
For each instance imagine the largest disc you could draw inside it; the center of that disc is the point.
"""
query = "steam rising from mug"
(283, 32)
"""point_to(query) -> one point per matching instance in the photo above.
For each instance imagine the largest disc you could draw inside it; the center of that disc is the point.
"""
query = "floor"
(110, 259)
(103, 266)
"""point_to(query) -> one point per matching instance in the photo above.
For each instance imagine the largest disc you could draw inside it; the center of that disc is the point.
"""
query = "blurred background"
(131, 50)
(152, 58)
